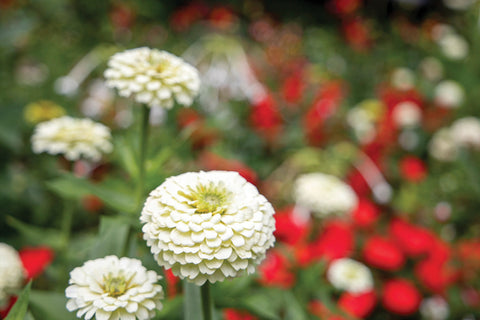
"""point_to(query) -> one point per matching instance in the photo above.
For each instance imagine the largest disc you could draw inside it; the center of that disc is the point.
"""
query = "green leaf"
(112, 238)
(71, 187)
(265, 303)
(19, 309)
(192, 306)
(293, 309)
(127, 156)
(50, 305)
(172, 309)
(50, 237)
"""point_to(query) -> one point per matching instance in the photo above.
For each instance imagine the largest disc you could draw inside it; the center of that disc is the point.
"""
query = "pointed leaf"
(112, 238)
(19, 309)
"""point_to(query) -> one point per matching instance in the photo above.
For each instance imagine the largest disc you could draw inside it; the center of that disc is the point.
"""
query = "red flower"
(412, 239)
(288, 229)
(266, 119)
(359, 305)
(172, 282)
(222, 18)
(366, 213)
(468, 254)
(358, 183)
(401, 297)
(92, 203)
(4, 312)
(344, 7)
(233, 314)
(292, 88)
(383, 254)
(413, 169)
(275, 271)
(212, 161)
(357, 33)
(35, 260)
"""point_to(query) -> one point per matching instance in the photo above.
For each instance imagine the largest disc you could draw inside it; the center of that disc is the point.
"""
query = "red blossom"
(344, 7)
(275, 271)
(288, 229)
(413, 240)
(401, 297)
(359, 305)
(357, 33)
(172, 282)
(266, 119)
(383, 253)
(413, 169)
(365, 214)
(293, 87)
(233, 314)
(35, 260)
(221, 18)
(92, 203)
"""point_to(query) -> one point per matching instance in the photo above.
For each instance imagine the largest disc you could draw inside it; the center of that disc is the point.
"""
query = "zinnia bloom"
(153, 77)
(324, 194)
(401, 297)
(350, 275)
(74, 138)
(11, 273)
(359, 305)
(208, 225)
(383, 254)
(113, 288)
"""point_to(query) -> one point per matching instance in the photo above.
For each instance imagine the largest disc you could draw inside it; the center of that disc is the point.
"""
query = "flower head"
(208, 225)
(350, 275)
(74, 138)
(114, 288)
(153, 77)
(324, 194)
(11, 272)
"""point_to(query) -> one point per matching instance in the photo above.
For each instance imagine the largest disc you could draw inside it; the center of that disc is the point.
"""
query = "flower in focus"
(208, 225)
(434, 308)
(153, 77)
(324, 194)
(449, 94)
(74, 138)
(383, 254)
(114, 288)
(401, 297)
(42, 110)
(11, 273)
(359, 305)
(350, 275)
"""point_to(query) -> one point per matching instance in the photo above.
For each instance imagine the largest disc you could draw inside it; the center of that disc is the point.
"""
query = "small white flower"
(11, 272)
(208, 225)
(449, 94)
(403, 78)
(362, 125)
(74, 138)
(153, 77)
(459, 4)
(434, 308)
(442, 146)
(113, 288)
(350, 275)
(454, 46)
(466, 132)
(431, 68)
(407, 114)
(324, 194)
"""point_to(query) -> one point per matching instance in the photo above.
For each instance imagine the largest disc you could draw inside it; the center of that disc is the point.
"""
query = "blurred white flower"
(431, 68)
(350, 275)
(208, 226)
(324, 194)
(442, 146)
(153, 77)
(434, 308)
(403, 78)
(98, 101)
(459, 4)
(114, 288)
(466, 132)
(362, 125)
(407, 114)
(12, 273)
(454, 46)
(74, 138)
(449, 94)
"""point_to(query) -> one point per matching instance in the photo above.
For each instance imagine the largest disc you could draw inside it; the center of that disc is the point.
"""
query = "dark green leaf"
(51, 237)
(50, 305)
(19, 309)
(112, 238)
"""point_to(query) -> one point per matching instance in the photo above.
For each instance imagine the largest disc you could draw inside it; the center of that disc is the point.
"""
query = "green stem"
(66, 225)
(207, 302)
(144, 132)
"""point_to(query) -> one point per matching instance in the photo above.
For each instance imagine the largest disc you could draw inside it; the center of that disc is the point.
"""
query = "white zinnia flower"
(442, 146)
(466, 132)
(454, 46)
(208, 225)
(449, 94)
(153, 77)
(407, 114)
(350, 275)
(74, 138)
(434, 308)
(113, 288)
(324, 194)
(11, 272)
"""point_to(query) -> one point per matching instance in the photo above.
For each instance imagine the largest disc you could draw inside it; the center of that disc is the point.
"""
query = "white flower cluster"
(113, 288)
(407, 114)
(350, 275)
(434, 308)
(153, 77)
(208, 225)
(74, 138)
(324, 194)
(453, 45)
(11, 272)
(463, 133)
(449, 94)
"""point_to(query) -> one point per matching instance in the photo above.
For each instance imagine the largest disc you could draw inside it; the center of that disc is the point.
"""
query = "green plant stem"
(144, 132)
(67, 218)
(207, 302)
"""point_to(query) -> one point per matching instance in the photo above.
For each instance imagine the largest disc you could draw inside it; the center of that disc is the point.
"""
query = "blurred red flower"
(293, 87)
(413, 240)
(35, 260)
(222, 17)
(288, 229)
(383, 253)
(233, 314)
(344, 7)
(266, 119)
(359, 305)
(357, 33)
(172, 282)
(366, 214)
(413, 169)
(275, 271)
(401, 297)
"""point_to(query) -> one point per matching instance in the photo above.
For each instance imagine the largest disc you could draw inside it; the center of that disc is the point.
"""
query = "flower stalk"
(207, 301)
(144, 132)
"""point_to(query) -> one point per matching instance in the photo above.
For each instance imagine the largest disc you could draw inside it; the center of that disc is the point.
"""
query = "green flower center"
(209, 198)
(114, 286)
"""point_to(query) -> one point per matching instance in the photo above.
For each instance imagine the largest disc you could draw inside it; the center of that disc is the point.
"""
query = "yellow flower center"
(209, 198)
(114, 286)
